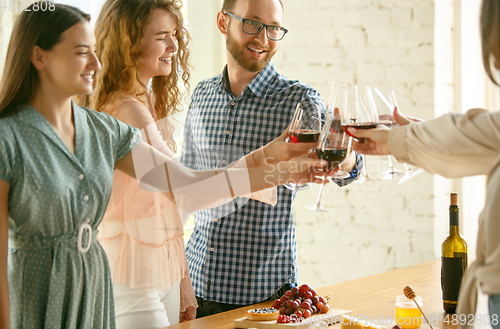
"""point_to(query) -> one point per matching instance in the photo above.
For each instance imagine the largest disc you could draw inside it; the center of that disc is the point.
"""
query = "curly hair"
(119, 33)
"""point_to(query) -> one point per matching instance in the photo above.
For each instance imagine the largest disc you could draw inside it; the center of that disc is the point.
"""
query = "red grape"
(319, 305)
(283, 299)
(289, 311)
(298, 313)
(314, 310)
(313, 292)
(288, 293)
(303, 288)
(294, 305)
(315, 300)
(308, 294)
(283, 310)
(306, 314)
(306, 305)
(295, 291)
(326, 308)
(321, 299)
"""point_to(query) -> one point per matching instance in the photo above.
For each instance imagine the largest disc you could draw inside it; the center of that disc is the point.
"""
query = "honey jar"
(408, 316)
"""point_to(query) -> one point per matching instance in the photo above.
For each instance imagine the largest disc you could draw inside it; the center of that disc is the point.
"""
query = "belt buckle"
(82, 228)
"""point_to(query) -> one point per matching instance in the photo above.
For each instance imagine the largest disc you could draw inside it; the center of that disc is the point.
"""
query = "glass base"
(391, 173)
(365, 180)
(298, 187)
(409, 175)
(340, 175)
(317, 207)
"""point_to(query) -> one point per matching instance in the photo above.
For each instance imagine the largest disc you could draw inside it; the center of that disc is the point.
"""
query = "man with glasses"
(244, 252)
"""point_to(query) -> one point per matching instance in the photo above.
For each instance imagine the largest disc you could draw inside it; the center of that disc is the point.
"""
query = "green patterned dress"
(53, 192)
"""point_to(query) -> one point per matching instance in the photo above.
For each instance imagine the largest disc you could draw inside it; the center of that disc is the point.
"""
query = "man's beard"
(238, 55)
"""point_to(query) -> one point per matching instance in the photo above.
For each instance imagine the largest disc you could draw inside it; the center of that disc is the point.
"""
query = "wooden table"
(372, 296)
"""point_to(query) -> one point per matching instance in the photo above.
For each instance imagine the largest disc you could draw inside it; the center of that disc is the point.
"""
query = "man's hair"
(229, 4)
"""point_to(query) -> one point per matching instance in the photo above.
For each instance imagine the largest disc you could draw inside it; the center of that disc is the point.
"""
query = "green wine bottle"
(453, 260)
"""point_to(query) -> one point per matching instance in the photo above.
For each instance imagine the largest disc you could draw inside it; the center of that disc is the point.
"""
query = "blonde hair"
(32, 28)
(119, 32)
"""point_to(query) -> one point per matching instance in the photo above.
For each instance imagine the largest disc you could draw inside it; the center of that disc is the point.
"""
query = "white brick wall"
(386, 44)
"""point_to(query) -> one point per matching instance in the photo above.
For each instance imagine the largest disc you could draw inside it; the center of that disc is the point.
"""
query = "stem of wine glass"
(408, 168)
(390, 162)
(365, 167)
(318, 203)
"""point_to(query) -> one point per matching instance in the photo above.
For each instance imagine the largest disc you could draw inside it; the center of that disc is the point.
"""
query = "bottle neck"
(454, 229)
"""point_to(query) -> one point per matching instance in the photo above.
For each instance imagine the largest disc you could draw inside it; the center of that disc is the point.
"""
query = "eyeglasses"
(253, 27)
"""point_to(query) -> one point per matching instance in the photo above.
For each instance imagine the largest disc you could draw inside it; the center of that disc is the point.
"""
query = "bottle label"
(452, 269)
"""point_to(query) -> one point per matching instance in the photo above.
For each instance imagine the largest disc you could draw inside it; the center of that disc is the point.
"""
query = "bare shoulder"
(132, 112)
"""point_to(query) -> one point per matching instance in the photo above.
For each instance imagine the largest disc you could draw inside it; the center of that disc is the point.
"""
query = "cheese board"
(333, 316)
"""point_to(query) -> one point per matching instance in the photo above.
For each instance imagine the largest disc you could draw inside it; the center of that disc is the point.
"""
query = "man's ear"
(222, 22)
(37, 58)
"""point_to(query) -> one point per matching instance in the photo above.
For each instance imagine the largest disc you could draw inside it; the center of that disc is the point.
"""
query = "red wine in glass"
(304, 136)
(333, 156)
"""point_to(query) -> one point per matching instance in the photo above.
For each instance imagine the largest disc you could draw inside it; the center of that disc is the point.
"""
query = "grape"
(313, 292)
(283, 310)
(326, 308)
(306, 314)
(298, 313)
(306, 305)
(321, 299)
(295, 291)
(289, 311)
(308, 294)
(319, 305)
(283, 299)
(314, 310)
(277, 304)
(315, 300)
(294, 305)
(308, 301)
(303, 288)
(288, 293)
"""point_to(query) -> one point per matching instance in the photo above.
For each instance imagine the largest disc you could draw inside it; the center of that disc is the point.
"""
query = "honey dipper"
(410, 294)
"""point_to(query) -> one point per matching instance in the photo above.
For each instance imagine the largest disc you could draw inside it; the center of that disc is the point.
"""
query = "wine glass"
(339, 100)
(386, 109)
(387, 116)
(409, 173)
(363, 115)
(304, 128)
(334, 147)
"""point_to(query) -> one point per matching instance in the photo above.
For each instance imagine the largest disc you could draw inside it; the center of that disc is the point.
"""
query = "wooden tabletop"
(373, 296)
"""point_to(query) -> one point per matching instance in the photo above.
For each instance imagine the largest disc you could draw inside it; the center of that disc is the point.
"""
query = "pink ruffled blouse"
(142, 232)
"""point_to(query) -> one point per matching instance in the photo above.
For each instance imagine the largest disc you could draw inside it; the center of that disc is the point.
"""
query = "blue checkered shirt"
(244, 251)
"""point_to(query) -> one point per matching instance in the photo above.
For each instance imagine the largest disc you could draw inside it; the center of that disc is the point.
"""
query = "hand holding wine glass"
(304, 128)
(334, 145)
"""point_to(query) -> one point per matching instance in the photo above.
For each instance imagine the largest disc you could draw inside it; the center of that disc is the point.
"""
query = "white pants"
(146, 309)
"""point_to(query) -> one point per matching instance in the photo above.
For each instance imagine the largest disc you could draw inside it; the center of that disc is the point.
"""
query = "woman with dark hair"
(56, 172)
(457, 145)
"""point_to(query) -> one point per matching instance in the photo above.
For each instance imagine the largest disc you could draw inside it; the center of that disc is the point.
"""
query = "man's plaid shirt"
(244, 251)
